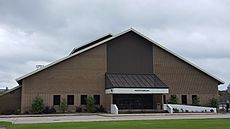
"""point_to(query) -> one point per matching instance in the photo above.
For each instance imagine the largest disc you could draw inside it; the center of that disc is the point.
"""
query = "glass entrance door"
(133, 101)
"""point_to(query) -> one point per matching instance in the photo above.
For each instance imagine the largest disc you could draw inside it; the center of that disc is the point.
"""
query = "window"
(70, 99)
(97, 99)
(164, 99)
(195, 100)
(83, 99)
(56, 100)
(194, 97)
(184, 99)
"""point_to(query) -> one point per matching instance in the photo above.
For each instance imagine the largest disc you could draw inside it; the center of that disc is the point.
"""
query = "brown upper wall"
(181, 77)
(84, 73)
(129, 53)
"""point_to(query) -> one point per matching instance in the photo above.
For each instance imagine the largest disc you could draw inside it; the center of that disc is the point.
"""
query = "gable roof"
(93, 44)
(10, 90)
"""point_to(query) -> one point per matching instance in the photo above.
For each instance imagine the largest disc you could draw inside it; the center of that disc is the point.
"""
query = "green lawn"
(141, 124)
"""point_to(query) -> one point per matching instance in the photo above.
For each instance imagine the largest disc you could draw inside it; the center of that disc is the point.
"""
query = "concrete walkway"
(107, 117)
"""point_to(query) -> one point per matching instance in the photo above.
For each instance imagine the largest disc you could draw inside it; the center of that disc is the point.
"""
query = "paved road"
(51, 119)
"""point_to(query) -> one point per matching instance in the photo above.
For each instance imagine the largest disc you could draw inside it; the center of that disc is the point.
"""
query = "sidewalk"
(83, 117)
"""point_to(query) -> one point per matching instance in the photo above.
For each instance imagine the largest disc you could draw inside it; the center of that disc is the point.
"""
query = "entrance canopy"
(120, 83)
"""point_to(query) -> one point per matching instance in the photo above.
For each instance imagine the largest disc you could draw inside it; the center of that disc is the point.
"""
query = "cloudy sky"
(42, 31)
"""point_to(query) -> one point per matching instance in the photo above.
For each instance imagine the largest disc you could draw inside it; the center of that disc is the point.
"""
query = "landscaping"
(138, 124)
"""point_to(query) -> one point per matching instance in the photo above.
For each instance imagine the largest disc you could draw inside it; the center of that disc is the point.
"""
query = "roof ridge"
(113, 37)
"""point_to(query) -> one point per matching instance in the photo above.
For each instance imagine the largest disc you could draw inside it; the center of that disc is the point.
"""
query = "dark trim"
(91, 43)
(141, 87)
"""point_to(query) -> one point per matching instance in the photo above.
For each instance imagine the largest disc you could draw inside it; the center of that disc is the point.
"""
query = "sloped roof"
(95, 44)
(122, 80)
(10, 90)
(91, 43)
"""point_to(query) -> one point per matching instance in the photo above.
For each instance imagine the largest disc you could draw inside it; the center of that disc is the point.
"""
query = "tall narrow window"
(83, 99)
(56, 100)
(70, 99)
(97, 99)
(184, 99)
(164, 99)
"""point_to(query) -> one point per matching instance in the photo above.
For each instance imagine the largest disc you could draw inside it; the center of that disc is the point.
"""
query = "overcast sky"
(42, 31)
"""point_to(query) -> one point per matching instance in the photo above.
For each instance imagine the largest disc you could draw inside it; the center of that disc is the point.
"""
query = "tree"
(196, 101)
(173, 99)
(90, 103)
(37, 105)
(63, 105)
(214, 102)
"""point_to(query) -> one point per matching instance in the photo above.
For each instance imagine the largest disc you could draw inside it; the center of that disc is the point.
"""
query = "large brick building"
(127, 69)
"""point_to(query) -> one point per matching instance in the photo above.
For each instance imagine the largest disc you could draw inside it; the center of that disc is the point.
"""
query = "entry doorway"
(184, 99)
(133, 101)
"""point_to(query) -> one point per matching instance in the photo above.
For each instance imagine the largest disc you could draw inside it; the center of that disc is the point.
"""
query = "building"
(228, 89)
(127, 69)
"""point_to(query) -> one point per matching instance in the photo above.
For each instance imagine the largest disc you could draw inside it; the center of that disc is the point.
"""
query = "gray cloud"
(39, 32)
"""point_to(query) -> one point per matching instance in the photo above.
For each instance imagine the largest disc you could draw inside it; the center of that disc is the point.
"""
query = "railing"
(172, 108)
(168, 107)
(114, 109)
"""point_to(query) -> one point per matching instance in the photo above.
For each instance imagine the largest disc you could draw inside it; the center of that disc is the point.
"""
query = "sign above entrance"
(137, 91)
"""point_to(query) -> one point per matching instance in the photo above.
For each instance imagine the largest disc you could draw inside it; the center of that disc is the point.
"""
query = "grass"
(139, 124)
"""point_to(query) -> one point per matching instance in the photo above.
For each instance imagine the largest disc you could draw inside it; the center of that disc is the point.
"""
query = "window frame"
(97, 102)
(83, 101)
(184, 102)
(68, 101)
(56, 102)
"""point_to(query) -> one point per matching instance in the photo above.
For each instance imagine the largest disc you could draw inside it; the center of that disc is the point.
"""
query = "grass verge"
(135, 124)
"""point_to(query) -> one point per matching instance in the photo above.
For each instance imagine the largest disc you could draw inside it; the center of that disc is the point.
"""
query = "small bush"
(37, 105)
(78, 109)
(63, 105)
(173, 99)
(100, 109)
(17, 112)
(8, 112)
(26, 112)
(46, 109)
(214, 102)
(196, 101)
(175, 110)
(90, 104)
(49, 110)
(52, 110)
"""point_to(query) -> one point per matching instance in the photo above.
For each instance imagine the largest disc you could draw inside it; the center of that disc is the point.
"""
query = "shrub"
(196, 101)
(173, 99)
(37, 105)
(214, 102)
(46, 109)
(26, 112)
(49, 110)
(52, 110)
(100, 109)
(17, 112)
(8, 112)
(63, 105)
(78, 109)
(175, 110)
(90, 104)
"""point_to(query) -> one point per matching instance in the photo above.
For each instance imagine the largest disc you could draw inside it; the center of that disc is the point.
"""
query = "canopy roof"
(122, 80)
